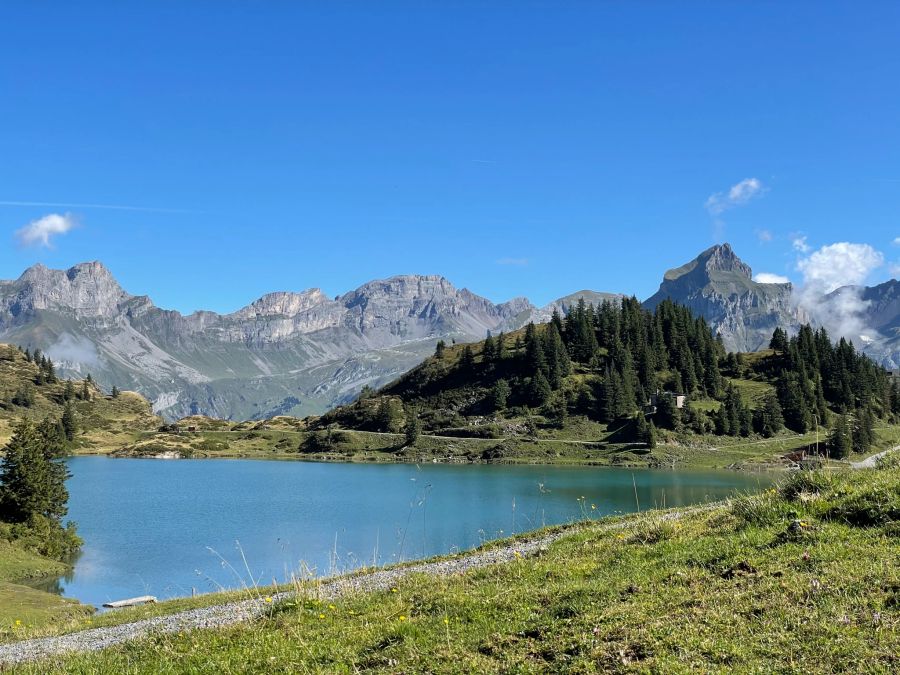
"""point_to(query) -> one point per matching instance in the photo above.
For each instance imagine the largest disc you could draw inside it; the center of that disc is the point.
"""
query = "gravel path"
(230, 613)
(872, 462)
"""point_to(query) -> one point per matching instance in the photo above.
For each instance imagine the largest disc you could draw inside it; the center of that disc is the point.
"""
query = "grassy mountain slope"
(104, 422)
(451, 400)
(801, 578)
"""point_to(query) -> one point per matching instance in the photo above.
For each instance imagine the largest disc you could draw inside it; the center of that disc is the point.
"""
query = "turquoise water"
(166, 528)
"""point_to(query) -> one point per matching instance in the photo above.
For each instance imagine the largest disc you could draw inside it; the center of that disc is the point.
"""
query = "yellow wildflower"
(331, 607)
(321, 616)
(18, 622)
(402, 618)
(268, 599)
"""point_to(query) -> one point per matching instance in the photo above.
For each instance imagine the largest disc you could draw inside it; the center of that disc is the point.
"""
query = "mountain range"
(303, 353)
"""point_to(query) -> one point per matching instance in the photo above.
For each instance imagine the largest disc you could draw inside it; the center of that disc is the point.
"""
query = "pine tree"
(557, 410)
(467, 360)
(500, 351)
(779, 341)
(534, 352)
(389, 416)
(641, 429)
(69, 422)
(69, 391)
(498, 395)
(413, 428)
(32, 485)
(85, 391)
(115, 392)
(768, 419)
(863, 430)
(539, 390)
(667, 413)
(439, 349)
(840, 440)
(488, 350)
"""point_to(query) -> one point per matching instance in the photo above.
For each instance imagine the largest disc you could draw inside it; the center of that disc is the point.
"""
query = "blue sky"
(516, 148)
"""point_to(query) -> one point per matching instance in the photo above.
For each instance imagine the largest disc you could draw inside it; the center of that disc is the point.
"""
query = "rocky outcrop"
(719, 286)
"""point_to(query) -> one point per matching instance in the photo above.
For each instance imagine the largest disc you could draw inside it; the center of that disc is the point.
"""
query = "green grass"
(803, 578)
(24, 609)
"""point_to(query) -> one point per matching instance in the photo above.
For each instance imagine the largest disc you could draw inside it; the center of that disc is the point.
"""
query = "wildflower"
(18, 622)
(393, 590)
(446, 621)
(331, 607)
(517, 554)
(402, 617)
(268, 599)
(321, 616)
(620, 536)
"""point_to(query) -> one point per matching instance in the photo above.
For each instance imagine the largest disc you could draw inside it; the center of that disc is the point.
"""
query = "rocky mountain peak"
(720, 258)
(283, 303)
(88, 289)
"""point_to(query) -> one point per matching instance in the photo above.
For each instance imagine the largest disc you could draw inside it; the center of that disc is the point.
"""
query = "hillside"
(104, 422)
(594, 376)
(796, 579)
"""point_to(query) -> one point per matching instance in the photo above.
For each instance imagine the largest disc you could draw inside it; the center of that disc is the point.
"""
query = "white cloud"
(41, 231)
(799, 244)
(765, 236)
(737, 195)
(518, 262)
(840, 264)
(768, 278)
(897, 241)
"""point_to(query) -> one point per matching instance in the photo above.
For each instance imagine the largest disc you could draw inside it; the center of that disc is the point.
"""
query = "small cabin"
(679, 399)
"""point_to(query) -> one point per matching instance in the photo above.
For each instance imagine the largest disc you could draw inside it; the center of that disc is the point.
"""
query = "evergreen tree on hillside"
(115, 392)
(840, 439)
(539, 390)
(500, 351)
(439, 349)
(863, 430)
(467, 360)
(32, 485)
(668, 416)
(413, 428)
(535, 362)
(557, 410)
(779, 341)
(488, 350)
(389, 416)
(69, 391)
(768, 419)
(69, 422)
(498, 395)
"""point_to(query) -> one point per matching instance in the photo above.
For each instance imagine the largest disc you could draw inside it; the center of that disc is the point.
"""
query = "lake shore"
(767, 581)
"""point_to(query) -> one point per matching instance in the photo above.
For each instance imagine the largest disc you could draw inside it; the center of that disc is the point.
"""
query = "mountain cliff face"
(719, 286)
(870, 316)
(292, 353)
